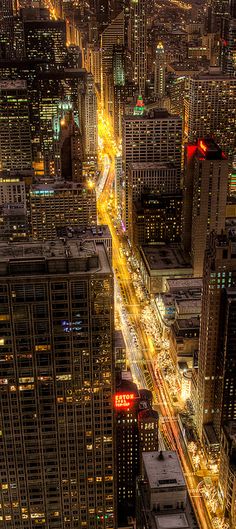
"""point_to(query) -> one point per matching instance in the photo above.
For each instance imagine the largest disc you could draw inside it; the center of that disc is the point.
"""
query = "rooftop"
(172, 521)
(153, 114)
(163, 469)
(53, 257)
(166, 257)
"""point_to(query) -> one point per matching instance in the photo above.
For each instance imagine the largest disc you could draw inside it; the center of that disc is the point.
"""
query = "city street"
(142, 352)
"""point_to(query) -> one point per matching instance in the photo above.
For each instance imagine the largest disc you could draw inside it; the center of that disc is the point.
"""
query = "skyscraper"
(209, 109)
(215, 375)
(138, 42)
(228, 42)
(15, 141)
(136, 432)
(159, 71)
(111, 36)
(56, 385)
(151, 137)
(46, 40)
(6, 29)
(205, 196)
(89, 120)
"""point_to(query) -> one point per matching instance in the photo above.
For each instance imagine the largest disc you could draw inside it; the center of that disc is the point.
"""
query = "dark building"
(228, 42)
(136, 431)
(46, 40)
(71, 150)
(6, 29)
(227, 472)
(225, 398)
(156, 218)
(216, 360)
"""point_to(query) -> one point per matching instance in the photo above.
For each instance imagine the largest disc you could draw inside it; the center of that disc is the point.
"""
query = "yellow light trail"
(146, 357)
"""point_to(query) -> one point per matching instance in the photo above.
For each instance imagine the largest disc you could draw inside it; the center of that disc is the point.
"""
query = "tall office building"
(216, 374)
(6, 29)
(209, 109)
(111, 36)
(218, 9)
(46, 40)
(228, 42)
(56, 385)
(89, 124)
(205, 196)
(162, 495)
(60, 204)
(138, 42)
(71, 149)
(15, 141)
(153, 137)
(136, 432)
(156, 218)
(159, 71)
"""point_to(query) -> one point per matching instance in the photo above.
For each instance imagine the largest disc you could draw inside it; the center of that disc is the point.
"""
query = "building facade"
(57, 382)
(15, 140)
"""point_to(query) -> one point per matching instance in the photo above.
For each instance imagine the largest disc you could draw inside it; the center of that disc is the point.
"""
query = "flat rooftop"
(166, 257)
(172, 521)
(163, 469)
(53, 257)
(41, 189)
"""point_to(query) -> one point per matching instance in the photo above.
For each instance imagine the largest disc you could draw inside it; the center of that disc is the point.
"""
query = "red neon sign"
(124, 400)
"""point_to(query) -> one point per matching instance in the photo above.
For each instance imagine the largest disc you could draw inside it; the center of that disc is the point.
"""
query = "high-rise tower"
(138, 42)
(56, 385)
(228, 42)
(159, 72)
(216, 380)
(209, 109)
(205, 196)
(151, 137)
(6, 28)
(15, 141)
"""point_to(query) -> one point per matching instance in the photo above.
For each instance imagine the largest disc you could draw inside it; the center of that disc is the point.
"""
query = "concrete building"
(162, 496)
(160, 262)
(57, 382)
(205, 197)
(178, 312)
(154, 137)
(60, 204)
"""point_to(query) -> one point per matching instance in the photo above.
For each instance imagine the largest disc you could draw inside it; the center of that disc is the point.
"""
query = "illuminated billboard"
(124, 400)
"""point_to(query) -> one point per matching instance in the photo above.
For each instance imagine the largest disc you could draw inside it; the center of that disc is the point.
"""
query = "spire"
(139, 107)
